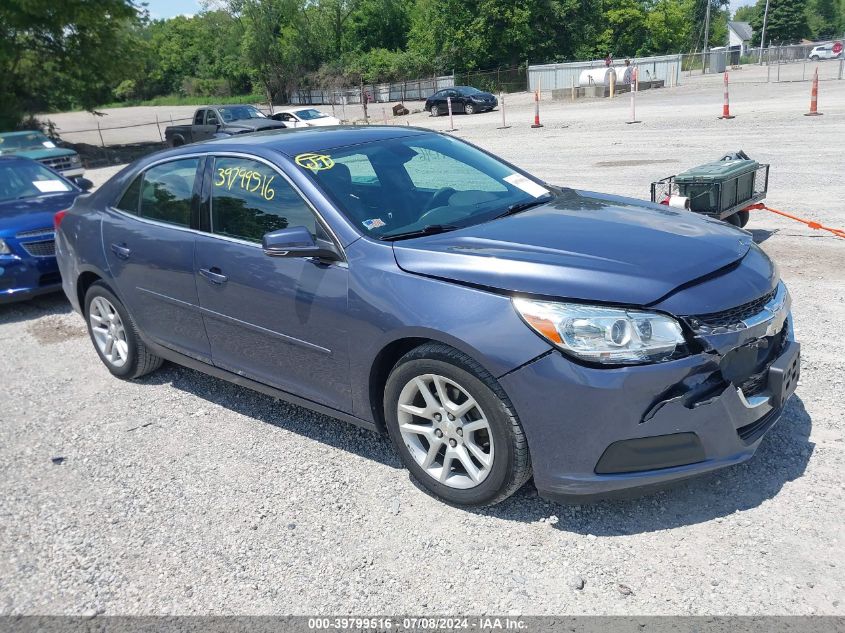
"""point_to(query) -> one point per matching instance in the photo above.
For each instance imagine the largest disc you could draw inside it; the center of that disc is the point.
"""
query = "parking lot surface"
(182, 494)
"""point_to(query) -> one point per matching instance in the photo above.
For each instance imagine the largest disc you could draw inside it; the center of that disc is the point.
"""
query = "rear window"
(168, 190)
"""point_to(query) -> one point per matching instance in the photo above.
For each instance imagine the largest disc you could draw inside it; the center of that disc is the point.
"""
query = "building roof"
(743, 30)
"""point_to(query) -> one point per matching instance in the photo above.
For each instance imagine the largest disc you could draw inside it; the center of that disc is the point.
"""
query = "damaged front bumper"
(597, 431)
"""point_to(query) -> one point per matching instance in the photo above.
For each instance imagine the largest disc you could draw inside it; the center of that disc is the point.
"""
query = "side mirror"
(297, 242)
(83, 183)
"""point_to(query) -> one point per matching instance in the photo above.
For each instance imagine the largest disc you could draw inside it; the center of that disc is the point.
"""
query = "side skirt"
(211, 370)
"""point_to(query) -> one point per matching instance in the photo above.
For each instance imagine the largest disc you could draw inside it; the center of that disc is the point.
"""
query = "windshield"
(467, 90)
(238, 113)
(20, 179)
(424, 183)
(28, 140)
(309, 115)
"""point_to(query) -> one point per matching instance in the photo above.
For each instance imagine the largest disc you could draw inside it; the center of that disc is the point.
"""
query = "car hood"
(255, 124)
(33, 213)
(581, 246)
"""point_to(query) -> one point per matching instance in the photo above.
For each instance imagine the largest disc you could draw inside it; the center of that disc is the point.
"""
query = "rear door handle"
(121, 251)
(214, 275)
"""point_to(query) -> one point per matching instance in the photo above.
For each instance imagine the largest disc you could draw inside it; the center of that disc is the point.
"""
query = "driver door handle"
(214, 275)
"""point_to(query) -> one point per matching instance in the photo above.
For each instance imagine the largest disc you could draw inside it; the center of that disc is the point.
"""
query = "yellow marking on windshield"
(314, 162)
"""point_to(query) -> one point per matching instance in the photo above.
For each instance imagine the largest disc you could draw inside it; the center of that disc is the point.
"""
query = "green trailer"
(722, 189)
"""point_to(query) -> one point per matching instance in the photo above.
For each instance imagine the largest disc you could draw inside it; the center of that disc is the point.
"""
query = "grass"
(177, 100)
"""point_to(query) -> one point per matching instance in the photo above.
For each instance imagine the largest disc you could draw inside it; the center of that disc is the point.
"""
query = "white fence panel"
(556, 76)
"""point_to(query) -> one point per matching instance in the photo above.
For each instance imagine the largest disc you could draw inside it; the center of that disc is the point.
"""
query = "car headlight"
(75, 160)
(598, 334)
(4, 248)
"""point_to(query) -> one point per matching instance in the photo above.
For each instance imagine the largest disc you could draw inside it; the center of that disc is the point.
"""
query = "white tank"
(623, 74)
(595, 77)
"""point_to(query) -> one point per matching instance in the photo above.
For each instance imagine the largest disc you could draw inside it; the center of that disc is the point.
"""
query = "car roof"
(294, 141)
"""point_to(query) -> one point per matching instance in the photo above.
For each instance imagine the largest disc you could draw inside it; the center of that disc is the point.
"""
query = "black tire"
(743, 217)
(139, 361)
(469, 108)
(435, 110)
(734, 219)
(814, 58)
(511, 464)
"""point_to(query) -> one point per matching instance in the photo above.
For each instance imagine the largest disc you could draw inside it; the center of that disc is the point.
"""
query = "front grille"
(732, 318)
(45, 232)
(46, 248)
(58, 162)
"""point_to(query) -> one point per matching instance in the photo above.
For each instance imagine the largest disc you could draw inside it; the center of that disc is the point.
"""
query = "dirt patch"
(56, 329)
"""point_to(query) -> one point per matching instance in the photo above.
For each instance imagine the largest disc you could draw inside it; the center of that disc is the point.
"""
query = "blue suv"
(495, 326)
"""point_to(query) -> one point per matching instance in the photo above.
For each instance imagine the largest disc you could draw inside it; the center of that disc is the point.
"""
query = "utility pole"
(706, 37)
(763, 32)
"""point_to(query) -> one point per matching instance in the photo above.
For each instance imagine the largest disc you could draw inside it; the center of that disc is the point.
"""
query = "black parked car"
(465, 99)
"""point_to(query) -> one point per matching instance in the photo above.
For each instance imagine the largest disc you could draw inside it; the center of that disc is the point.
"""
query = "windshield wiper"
(518, 207)
(428, 229)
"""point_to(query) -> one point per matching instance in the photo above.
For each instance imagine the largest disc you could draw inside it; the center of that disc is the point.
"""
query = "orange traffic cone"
(537, 108)
(814, 97)
(726, 108)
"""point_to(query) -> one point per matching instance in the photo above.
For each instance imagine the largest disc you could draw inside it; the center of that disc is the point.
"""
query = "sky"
(169, 8)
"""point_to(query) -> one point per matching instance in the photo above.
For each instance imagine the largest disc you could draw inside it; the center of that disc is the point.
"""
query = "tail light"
(57, 219)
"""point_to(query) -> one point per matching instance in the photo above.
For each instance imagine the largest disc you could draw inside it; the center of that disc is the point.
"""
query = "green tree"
(787, 22)
(61, 54)
(824, 18)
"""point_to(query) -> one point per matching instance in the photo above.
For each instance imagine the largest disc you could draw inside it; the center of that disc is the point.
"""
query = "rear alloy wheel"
(469, 108)
(435, 110)
(115, 336)
(814, 58)
(455, 428)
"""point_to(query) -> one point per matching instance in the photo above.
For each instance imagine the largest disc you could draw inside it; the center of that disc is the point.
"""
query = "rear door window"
(250, 198)
(130, 201)
(168, 190)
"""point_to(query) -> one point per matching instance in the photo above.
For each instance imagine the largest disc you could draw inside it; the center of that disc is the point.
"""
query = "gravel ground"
(182, 494)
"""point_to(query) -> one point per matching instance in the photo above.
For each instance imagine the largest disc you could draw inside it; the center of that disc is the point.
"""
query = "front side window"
(167, 191)
(250, 198)
(396, 187)
(211, 118)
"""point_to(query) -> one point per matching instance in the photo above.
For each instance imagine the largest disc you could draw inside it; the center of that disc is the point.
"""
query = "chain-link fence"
(773, 64)
(397, 91)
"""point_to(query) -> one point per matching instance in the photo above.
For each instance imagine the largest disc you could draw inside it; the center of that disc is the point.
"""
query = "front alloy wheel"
(445, 431)
(454, 427)
(435, 110)
(469, 108)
